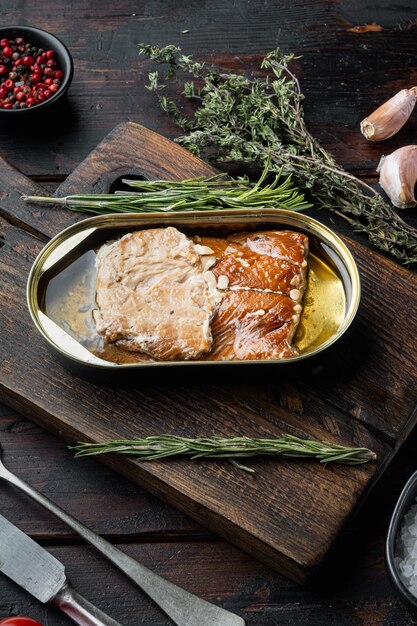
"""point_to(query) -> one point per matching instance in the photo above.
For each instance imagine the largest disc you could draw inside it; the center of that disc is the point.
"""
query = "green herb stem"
(193, 194)
(287, 446)
(260, 120)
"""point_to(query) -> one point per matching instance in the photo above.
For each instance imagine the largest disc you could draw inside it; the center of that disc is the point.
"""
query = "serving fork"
(184, 608)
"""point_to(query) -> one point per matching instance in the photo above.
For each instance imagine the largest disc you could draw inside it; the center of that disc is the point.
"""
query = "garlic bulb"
(387, 119)
(398, 176)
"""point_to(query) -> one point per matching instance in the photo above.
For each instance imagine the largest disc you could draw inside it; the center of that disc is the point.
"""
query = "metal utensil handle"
(184, 608)
(80, 610)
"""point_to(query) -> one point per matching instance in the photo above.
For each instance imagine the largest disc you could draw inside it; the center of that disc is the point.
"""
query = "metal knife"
(183, 607)
(43, 576)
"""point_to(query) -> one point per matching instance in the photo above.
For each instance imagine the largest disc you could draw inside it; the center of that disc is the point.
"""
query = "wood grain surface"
(344, 75)
(300, 508)
(351, 589)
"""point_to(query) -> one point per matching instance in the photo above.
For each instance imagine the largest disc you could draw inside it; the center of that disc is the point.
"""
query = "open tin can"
(61, 284)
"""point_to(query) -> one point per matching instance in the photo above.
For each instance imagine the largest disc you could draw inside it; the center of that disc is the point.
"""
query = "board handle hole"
(118, 185)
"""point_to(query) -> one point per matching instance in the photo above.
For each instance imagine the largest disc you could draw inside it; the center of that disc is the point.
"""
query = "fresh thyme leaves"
(194, 194)
(287, 446)
(261, 119)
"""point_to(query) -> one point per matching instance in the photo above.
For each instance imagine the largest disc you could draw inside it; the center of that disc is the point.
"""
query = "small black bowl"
(47, 41)
(405, 501)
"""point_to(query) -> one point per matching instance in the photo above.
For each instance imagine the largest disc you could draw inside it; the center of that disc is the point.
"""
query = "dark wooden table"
(344, 74)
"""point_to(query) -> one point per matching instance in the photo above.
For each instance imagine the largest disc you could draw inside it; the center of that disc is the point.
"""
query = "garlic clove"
(398, 176)
(387, 119)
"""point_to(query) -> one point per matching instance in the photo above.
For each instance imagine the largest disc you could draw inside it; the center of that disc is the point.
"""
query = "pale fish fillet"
(155, 295)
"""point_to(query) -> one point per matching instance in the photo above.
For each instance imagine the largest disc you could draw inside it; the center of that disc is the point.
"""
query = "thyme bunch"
(287, 446)
(260, 120)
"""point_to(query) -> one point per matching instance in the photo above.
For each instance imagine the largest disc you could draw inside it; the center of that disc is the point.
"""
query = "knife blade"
(43, 576)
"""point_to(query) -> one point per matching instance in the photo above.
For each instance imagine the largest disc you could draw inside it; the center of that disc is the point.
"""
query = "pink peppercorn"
(28, 74)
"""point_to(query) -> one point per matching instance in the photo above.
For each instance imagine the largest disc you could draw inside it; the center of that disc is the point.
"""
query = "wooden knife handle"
(80, 610)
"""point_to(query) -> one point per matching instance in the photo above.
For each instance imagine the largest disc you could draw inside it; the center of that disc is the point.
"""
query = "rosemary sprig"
(193, 194)
(287, 446)
(257, 120)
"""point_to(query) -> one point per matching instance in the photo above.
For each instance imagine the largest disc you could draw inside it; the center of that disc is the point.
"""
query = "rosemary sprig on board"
(287, 446)
(193, 194)
(257, 120)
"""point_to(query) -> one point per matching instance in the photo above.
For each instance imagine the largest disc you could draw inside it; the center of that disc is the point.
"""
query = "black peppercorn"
(28, 74)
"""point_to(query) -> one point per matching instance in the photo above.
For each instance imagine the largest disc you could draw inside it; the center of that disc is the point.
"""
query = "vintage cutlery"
(43, 576)
(184, 608)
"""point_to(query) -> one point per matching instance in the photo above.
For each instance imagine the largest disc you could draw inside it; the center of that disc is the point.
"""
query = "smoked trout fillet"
(164, 296)
(264, 277)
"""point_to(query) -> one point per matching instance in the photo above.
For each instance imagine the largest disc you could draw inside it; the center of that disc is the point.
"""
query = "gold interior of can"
(61, 288)
(324, 305)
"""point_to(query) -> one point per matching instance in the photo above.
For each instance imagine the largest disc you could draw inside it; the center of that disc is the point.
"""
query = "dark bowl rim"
(67, 78)
(405, 500)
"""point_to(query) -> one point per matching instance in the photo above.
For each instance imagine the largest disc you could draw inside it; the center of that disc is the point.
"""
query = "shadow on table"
(356, 562)
(57, 120)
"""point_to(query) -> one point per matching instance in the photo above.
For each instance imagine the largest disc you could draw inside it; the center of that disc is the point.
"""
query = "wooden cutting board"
(363, 393)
